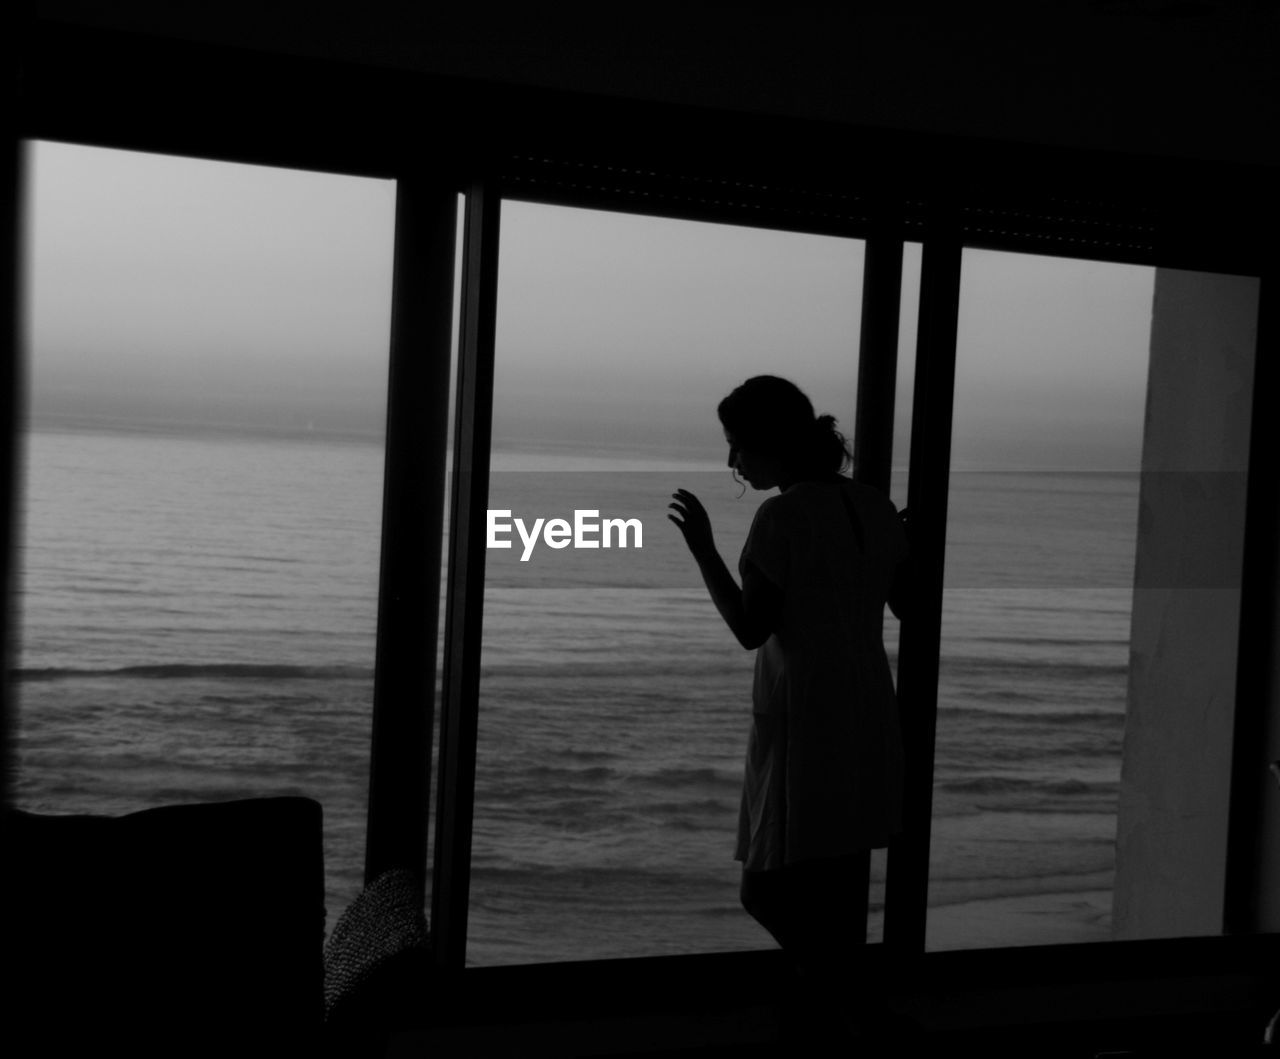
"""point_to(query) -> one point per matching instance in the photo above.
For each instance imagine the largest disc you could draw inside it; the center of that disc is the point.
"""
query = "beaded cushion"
(383, 923)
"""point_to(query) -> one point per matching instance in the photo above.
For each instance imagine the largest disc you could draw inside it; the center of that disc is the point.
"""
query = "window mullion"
(1249, 874)
(907, 875)
(413, 517)
(12, 386)
(878, 361)
(877, 388)
(464, 610)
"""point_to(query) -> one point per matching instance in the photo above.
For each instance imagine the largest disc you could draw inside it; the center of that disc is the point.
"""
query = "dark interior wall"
(1184, 78)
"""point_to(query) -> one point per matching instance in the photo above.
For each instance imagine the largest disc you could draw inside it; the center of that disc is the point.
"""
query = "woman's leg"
(763, 895)
(814, 910)
(827, 927)
(825, 902)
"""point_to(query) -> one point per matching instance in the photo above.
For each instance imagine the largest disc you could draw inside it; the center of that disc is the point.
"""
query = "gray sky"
(627, 330)
(180, 290)
(1051, 362)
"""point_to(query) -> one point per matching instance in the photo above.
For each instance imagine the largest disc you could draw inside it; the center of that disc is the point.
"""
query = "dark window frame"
(438, 137)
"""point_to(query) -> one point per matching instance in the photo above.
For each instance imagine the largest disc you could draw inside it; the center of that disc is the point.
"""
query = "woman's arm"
(752, 611)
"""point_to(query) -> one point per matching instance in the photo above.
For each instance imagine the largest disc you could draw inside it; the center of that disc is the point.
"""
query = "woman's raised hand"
(692, 520)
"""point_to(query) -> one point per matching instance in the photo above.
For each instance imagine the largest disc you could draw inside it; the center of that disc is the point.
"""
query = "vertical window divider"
(465, 603)
(1255, 738)
(412, 529)
(12, 388)
(878, 361)
(877, 392)
(907, 871)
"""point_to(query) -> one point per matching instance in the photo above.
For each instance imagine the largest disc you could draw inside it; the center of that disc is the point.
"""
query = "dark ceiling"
(1152, 77)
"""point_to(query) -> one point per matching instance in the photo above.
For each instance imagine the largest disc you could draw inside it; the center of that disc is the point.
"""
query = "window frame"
(437, 137)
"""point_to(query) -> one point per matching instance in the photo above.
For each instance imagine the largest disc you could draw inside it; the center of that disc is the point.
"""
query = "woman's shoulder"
(869, 497)
(866, 497)
(806, 501)
(878, 513)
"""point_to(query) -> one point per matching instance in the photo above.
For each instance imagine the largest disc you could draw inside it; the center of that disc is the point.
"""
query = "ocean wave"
(677, 776)
(543, 774)
(1016, 784)
(1059, 670)
(679, 813)
(957, 755)
(610, 667)
(1070, 643)
(962, 889)
(549, 772)
(613, 881)
(198, 671)
(1036, 717)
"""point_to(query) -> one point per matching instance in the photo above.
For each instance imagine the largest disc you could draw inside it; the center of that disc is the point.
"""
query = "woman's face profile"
(759, 472)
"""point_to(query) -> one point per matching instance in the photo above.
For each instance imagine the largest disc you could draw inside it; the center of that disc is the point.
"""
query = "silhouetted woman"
(823, 784)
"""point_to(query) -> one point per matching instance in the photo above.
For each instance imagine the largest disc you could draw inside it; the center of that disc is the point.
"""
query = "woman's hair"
(773, 417)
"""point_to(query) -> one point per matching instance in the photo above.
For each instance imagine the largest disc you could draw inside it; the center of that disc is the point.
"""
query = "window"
(1051, 367)
(614, 705)
(208, 351)
(1081, 646)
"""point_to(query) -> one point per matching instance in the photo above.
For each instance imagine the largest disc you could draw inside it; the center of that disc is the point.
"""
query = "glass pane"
(208, 351)
(1051, 370)
(615, 705)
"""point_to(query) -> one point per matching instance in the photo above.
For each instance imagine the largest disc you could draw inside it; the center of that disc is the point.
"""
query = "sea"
(197, 617)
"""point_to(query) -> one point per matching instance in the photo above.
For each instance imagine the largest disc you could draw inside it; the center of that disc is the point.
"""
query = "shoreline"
(1028, 919)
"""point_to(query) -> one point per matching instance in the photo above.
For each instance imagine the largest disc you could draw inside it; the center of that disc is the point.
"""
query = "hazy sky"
(181, 290)
(628, 330)
(171, 288)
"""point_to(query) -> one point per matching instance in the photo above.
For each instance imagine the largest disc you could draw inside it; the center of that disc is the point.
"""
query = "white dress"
(824, 759)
